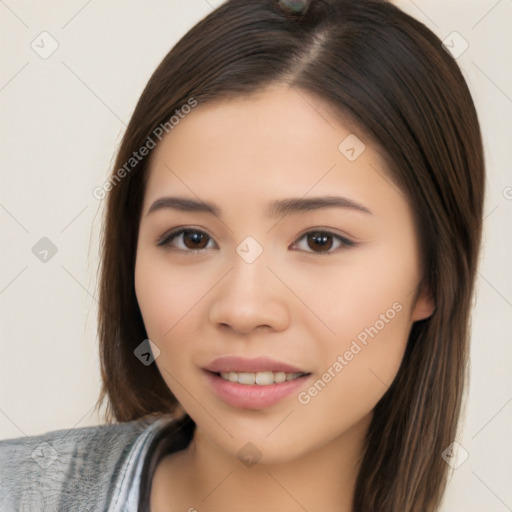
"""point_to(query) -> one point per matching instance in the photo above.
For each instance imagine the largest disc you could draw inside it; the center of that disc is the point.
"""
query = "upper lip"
(257, 364)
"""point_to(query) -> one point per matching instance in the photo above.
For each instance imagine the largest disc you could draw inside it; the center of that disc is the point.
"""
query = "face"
(329, 289)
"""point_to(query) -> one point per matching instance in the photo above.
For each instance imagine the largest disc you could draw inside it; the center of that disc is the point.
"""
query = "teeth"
(260, 378)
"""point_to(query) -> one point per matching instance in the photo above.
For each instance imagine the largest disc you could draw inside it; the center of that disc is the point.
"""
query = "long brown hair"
(389, 75)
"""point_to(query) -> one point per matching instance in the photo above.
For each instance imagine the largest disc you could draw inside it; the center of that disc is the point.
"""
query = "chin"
(255, 449)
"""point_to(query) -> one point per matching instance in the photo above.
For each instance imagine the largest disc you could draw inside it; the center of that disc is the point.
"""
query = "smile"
(255, 390)
(265, 378)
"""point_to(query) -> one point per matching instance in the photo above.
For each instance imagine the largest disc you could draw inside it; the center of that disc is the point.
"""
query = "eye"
(194, 240)
(324, 240)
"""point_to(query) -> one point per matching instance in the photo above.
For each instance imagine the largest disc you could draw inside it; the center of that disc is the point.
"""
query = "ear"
(424, 306)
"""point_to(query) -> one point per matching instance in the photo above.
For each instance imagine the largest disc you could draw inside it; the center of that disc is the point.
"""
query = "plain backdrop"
(62, 118)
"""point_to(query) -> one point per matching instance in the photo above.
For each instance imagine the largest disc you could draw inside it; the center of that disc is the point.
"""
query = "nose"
(250, 297)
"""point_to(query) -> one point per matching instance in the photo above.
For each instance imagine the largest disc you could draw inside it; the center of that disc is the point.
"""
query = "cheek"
(167, 295)
(366, 302)
(355, 374)
(351, 294)
(169, 300)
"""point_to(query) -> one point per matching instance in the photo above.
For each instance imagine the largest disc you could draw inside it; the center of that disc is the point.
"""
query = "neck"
(321, 479)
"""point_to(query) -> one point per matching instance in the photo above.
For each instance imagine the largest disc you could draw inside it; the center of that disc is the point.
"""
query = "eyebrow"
(277, 208)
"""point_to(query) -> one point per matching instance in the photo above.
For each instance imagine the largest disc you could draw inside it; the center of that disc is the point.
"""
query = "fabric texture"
(82, 469)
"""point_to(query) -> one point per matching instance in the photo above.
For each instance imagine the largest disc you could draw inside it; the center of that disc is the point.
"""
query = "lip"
(253, 365)
(252, 396)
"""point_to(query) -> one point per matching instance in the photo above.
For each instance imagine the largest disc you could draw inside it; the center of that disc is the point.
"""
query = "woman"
(289, 252)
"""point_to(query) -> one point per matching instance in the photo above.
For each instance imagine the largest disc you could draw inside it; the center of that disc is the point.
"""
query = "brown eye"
(321, 242)
(192, 240)
(196, 241)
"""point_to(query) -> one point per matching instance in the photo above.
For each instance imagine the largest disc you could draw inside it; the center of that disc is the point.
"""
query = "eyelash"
(166, 239)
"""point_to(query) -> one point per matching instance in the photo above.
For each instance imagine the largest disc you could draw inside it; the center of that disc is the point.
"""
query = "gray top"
(102, 468)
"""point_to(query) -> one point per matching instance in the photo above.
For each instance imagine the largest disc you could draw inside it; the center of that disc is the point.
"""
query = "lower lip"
(252, 396)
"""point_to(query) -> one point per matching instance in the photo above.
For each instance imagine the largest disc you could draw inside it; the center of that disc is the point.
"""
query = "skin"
(294, 303)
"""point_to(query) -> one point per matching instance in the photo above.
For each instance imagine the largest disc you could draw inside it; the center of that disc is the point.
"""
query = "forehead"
(279, 122)
(280, 139)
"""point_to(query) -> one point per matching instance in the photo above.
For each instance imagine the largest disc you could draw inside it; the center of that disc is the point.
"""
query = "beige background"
(62, 118)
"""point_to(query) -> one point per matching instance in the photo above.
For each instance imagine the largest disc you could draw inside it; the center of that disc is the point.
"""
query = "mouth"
(255, 390)
(254, 383)
(264, 378)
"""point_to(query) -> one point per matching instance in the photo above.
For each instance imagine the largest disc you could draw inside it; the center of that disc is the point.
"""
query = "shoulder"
(47, 470)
